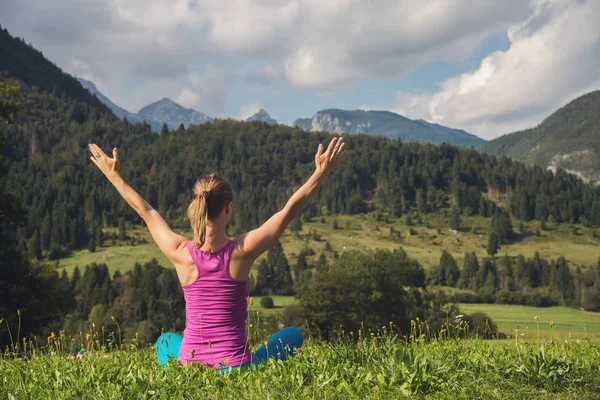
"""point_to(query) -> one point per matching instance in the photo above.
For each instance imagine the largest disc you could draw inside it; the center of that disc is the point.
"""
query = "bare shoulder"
(241, 262)
(184, 264)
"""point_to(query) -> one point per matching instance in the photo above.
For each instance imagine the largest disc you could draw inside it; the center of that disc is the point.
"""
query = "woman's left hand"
(108, 166)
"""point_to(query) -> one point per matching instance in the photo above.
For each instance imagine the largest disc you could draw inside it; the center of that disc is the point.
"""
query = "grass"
(382, 367)
(364, 232)
(567, 322)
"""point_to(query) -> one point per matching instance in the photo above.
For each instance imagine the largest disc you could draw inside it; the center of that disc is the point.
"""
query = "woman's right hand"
(327, 161)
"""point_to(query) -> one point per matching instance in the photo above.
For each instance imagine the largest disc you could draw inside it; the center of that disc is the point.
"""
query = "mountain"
(389, 124)
(118, 111)
(568, 139)
(171, 113)
(21, 61)
(155, 114)
(262, 116)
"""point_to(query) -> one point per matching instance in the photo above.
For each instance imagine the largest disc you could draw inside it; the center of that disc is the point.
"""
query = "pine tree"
(322, 264)
(564, 280)
(264, 279)
(470, 270)
(75, 278)
(33, 246)
(502, 226)
(165, 129)
(282, 276)
(92, 244)
(493, 244)
(455, 218)
(505, 274)
(421, 201)
(122, 229)
(301, 264)
(450, 269)
(45, 230)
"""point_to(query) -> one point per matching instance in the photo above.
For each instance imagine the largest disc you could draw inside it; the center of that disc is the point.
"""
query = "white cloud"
(191, 50)
(248, 110)
(553, 57)
(350, 39)
(265, 75)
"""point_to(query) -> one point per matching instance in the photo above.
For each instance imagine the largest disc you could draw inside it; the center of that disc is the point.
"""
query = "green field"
(364, 232)
(509, 318)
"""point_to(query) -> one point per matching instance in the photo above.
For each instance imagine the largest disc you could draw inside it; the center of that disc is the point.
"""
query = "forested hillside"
(568, 139)
(69, 201)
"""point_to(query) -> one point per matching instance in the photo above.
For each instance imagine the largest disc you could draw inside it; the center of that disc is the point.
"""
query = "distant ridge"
(23, 62)
(389, 124)
(118, 111)
(567, 139)
(262, 116)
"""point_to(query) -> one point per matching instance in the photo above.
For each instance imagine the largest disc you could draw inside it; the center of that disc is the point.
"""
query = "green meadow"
(552, 322)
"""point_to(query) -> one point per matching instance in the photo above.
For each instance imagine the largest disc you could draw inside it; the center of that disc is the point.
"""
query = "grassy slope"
(364, 232)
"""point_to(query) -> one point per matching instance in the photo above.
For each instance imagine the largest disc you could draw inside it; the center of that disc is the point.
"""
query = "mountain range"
(377, 123)
(389, 124)
(567, 139)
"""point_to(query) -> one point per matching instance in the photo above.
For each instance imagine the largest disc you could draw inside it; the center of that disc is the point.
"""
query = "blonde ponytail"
(211, 194)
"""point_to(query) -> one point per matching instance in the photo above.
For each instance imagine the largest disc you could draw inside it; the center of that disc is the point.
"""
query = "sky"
(489, 67)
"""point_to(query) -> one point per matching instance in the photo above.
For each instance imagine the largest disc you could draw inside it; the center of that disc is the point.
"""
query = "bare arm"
(169, 242)
(252, 244)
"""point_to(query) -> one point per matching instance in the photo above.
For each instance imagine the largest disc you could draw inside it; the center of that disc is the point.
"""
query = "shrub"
(363, 287)
(481, 325)
(540, 300)
(266, 302)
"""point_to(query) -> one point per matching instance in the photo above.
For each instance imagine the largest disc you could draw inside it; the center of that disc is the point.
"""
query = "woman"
(214, 270)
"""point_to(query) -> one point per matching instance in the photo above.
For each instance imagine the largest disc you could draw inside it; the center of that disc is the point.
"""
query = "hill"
(364, 232)
(567, 139)
(388, 124)
(69, 201)
(23, 62)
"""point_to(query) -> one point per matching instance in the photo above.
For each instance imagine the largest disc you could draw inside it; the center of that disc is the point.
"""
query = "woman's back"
(216, 310)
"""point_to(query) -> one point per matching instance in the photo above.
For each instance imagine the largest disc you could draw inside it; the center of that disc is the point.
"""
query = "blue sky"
(487, 67)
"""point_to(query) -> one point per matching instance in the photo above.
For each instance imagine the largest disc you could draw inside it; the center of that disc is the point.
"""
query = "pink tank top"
(216, 308)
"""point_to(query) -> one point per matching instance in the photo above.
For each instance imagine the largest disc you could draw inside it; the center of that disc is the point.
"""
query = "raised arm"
(169, 242)
(252, 244)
